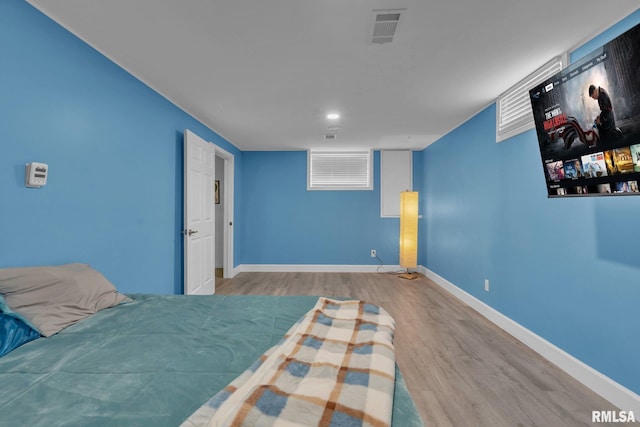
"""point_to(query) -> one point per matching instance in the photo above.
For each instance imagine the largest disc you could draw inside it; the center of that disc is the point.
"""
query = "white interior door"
(199, 215)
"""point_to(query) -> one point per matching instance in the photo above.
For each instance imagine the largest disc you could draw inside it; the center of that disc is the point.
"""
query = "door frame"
(228, 192)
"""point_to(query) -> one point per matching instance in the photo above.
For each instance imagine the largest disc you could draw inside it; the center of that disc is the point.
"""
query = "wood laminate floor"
(461, 369)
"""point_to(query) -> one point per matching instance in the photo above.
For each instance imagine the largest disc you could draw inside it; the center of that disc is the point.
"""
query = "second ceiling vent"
(385, 24)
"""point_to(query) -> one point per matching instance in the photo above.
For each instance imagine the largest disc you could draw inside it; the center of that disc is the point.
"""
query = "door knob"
(190, 232)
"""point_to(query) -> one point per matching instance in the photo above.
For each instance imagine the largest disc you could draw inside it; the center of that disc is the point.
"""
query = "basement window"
(339, 170)
(513, 108)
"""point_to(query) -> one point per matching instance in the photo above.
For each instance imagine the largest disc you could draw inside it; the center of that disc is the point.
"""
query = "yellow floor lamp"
(408, 233)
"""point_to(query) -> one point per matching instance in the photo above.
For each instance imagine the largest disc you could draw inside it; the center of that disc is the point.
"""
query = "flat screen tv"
(587, 120)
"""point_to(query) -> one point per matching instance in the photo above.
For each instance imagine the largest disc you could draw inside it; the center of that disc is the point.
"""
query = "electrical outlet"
(373, 253)
(486, 285)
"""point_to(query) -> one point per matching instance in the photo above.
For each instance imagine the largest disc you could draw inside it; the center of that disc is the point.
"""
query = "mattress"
(151, 362)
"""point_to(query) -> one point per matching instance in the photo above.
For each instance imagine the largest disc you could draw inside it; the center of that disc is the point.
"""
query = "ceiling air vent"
(385, 24)
(329, 136)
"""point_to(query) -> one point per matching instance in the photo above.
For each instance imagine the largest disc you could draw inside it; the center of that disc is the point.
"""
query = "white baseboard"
(315, 268)
(610, 390)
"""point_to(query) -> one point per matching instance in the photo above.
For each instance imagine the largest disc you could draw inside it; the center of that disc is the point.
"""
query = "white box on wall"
(396, 175)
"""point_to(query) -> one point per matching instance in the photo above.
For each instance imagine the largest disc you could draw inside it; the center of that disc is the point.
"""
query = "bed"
(150, 360)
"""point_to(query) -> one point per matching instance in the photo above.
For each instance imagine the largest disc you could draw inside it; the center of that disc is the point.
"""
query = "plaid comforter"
(334, 367)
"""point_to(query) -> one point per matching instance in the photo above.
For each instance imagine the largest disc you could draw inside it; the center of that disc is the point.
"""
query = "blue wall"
(567, 269)
(114, 149)
(286, 224)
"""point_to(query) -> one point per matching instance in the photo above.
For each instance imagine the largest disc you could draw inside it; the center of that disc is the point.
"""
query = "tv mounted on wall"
(587, 120)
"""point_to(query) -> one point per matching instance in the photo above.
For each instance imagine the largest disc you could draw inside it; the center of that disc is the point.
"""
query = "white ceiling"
(264, 74)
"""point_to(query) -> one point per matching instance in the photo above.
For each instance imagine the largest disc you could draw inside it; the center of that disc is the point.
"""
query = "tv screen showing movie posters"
(587, 121)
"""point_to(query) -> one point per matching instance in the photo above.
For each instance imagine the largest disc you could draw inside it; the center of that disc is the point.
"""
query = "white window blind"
(339, 170)
(513, 110)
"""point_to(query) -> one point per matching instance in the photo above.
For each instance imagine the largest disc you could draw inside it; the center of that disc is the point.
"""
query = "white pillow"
(54, 297)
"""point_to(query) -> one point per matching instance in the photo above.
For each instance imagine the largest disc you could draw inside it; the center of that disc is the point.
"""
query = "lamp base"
(408, 276)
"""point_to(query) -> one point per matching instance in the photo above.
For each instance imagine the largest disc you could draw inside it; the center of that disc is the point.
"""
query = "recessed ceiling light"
(333, 116)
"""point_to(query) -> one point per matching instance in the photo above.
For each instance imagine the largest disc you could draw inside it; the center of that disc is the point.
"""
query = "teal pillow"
(13, 333)
(4, 308)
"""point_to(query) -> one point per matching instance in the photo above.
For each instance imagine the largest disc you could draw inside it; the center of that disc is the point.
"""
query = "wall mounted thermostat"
(36, 174)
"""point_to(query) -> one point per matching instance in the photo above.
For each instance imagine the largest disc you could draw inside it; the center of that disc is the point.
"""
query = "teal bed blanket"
(151, 362)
